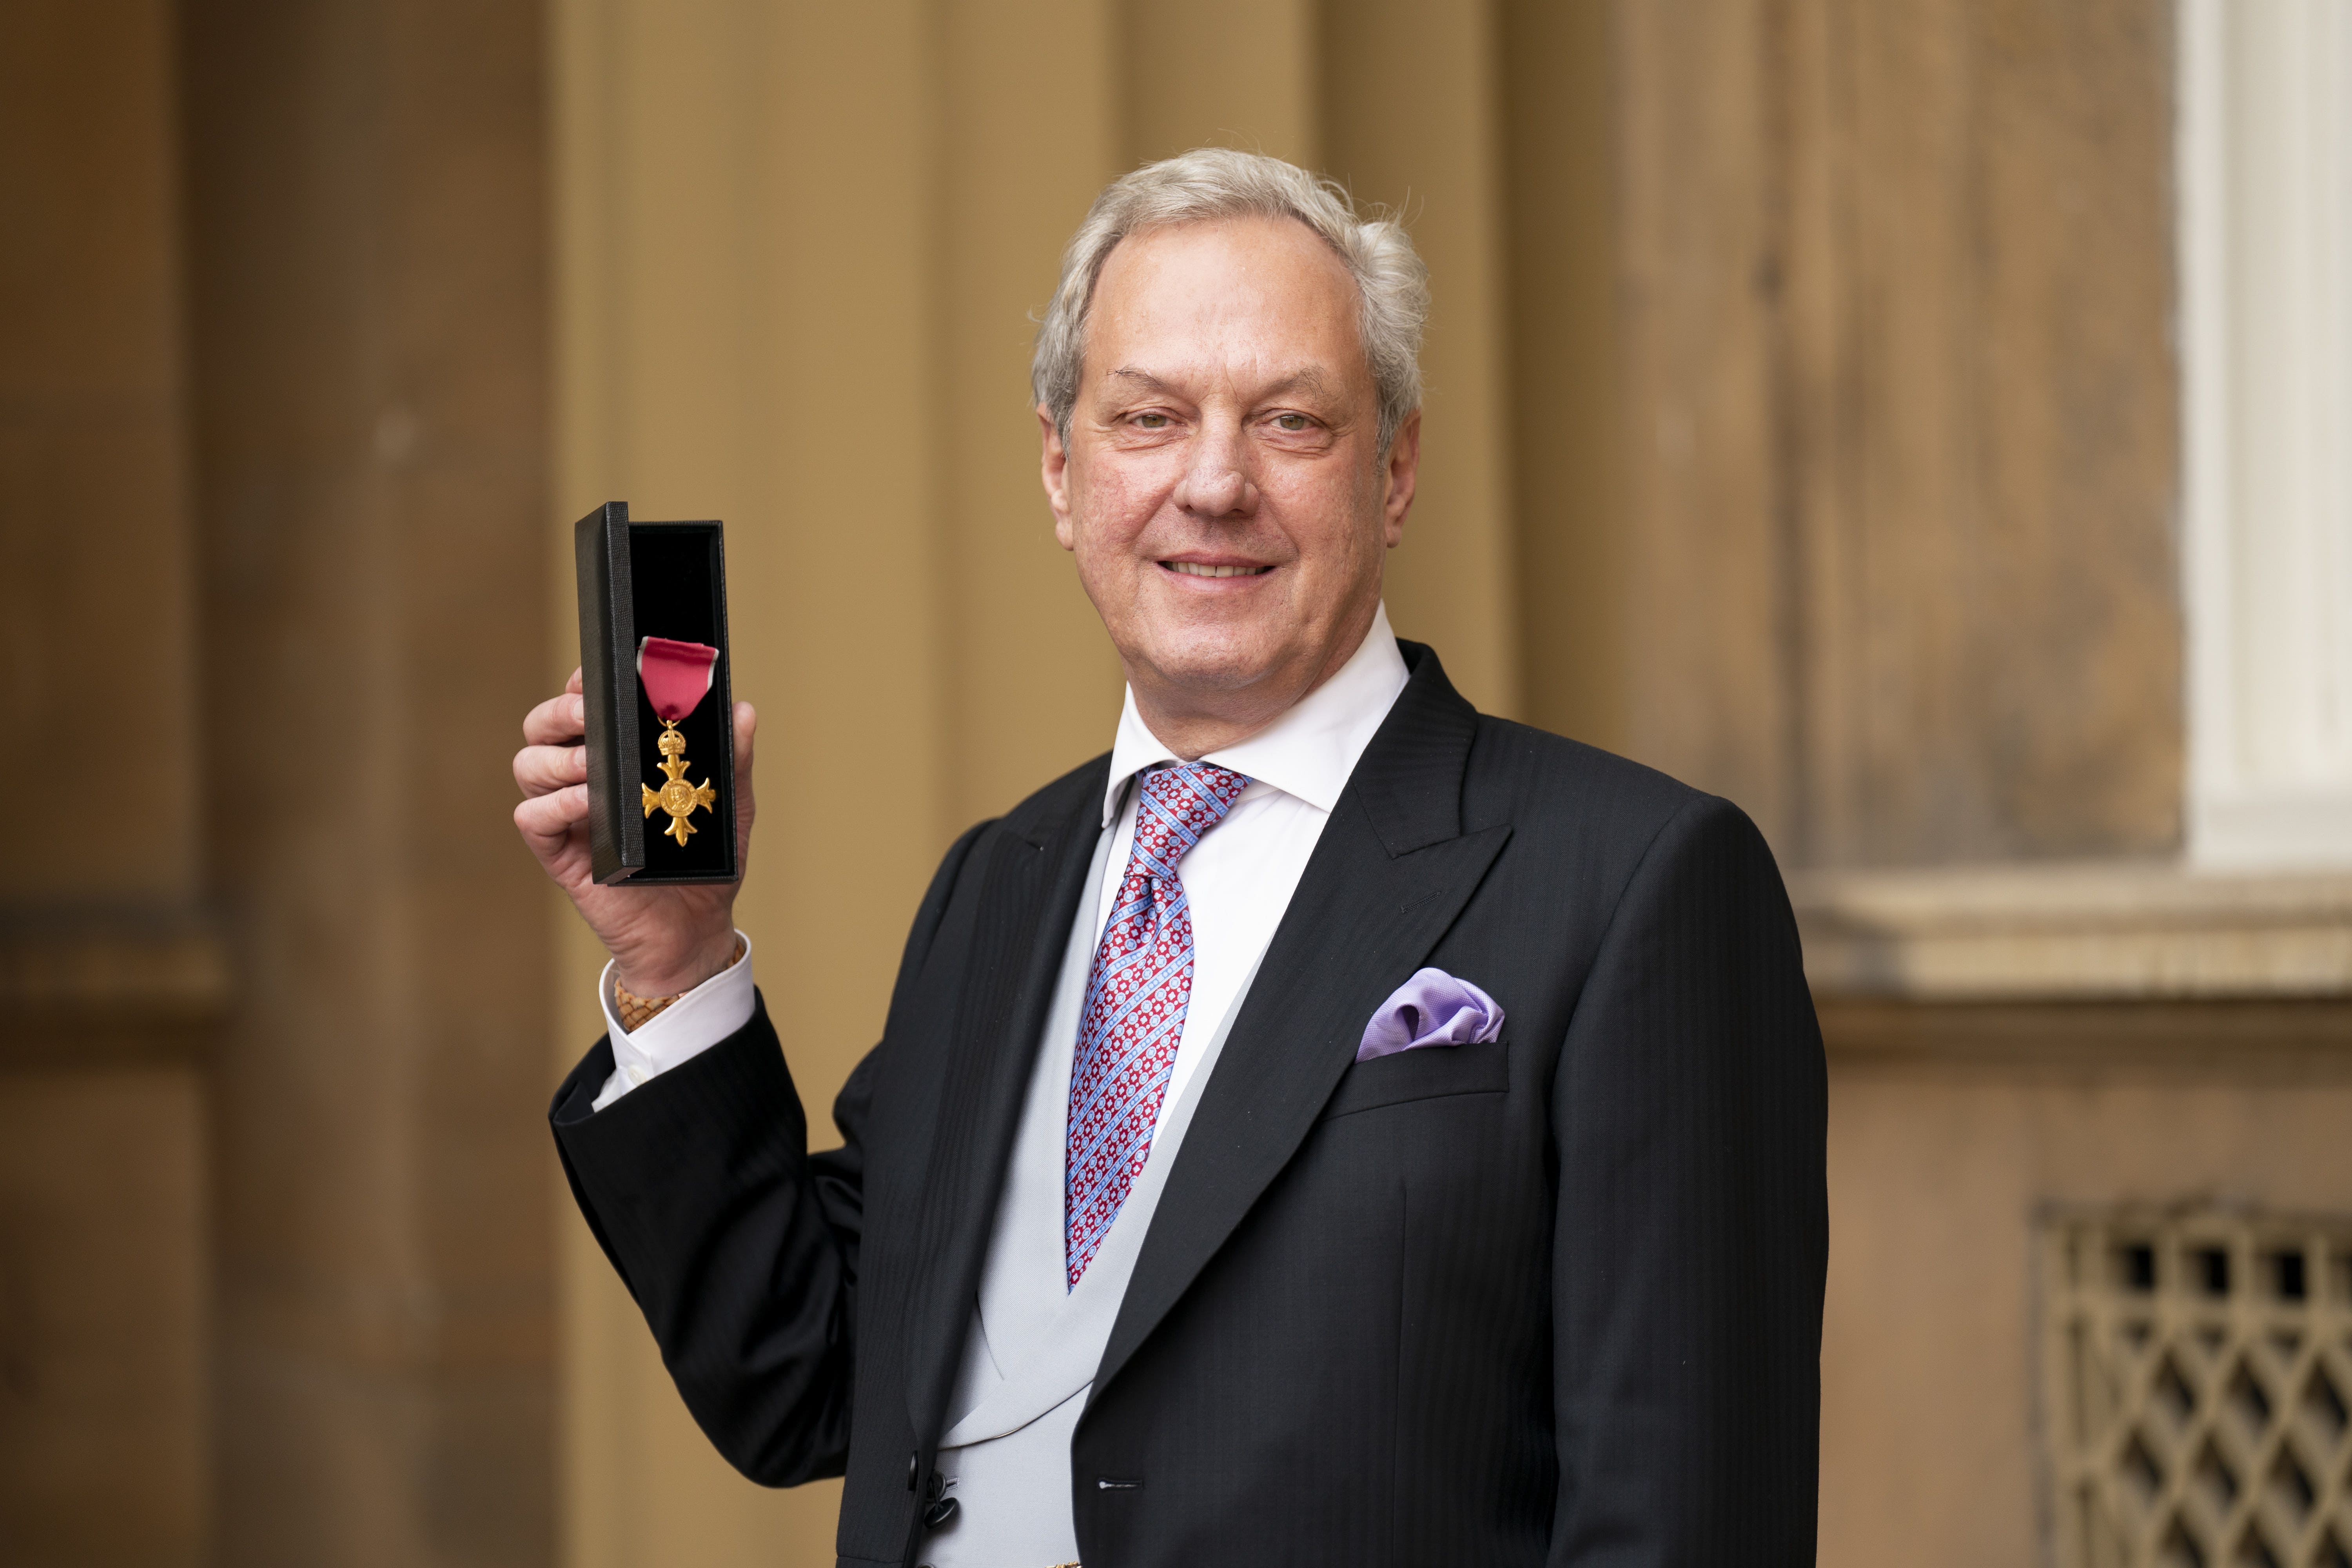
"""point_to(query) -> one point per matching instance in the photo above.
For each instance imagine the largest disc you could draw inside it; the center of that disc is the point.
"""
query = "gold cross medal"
(676, 677)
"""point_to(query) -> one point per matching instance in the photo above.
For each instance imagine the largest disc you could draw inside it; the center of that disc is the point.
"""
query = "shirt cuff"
(697, 1021)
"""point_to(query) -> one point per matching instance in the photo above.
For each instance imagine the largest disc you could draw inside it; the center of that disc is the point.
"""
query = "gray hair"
(1217, 183)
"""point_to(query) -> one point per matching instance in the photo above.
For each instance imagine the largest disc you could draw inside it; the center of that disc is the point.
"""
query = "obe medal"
(676, 676)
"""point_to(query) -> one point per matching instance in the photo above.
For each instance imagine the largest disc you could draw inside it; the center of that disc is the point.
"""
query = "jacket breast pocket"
(1427, 1072)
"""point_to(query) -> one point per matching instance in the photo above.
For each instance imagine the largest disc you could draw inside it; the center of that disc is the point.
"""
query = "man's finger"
(747, 726)
(559, 720)
(539, 769)
(547, 820)
(573, 685)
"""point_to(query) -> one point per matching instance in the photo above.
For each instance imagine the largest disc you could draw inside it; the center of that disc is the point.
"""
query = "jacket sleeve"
(741, 1248)
(1690, 1111)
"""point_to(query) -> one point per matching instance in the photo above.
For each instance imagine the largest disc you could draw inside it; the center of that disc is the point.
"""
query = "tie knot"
(1180, 803)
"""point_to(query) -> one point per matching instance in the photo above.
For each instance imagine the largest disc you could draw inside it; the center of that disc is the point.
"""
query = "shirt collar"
(1308, 751)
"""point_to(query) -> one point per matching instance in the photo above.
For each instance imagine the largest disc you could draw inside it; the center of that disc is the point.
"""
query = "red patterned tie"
(1138, 991)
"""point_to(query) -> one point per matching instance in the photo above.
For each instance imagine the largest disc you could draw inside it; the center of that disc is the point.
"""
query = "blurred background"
(1927, 422)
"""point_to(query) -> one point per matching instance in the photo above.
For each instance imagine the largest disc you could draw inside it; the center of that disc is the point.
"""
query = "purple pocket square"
(1433, 1008)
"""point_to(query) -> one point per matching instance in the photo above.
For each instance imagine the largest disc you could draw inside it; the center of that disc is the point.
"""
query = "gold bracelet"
(635, 1012)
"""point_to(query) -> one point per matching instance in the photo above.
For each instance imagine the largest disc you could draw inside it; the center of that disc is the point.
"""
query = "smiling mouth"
(1197, 569)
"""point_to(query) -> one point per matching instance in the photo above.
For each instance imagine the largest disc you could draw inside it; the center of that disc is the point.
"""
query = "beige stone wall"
(1566, 423)
(109, 977)
(103, 1376)
(93, 451)
(1949, 1136)
(368, 308)
(749, 327)
(1413, 122)
(1897, 421)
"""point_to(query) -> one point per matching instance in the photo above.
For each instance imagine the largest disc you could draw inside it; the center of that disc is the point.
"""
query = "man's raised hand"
(665, 940)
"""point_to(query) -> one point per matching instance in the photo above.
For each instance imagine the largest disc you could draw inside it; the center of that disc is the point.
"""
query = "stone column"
(1885, 423)
(749, 210)
(1414, 120)
(112, 981)
(367, 263)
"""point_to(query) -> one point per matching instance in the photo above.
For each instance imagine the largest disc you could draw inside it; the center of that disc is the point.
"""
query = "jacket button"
(914, 1469)
(938, 1513)
(934, 1487)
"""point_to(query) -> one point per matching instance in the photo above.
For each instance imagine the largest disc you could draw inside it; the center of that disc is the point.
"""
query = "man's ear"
(1054, 467)
(1400, 473)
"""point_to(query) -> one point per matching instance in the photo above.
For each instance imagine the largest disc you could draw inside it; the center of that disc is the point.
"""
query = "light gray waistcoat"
(1031, 1354)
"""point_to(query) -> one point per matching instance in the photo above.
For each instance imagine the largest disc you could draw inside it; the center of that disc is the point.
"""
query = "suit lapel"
(1031, 882)
(1390, 874)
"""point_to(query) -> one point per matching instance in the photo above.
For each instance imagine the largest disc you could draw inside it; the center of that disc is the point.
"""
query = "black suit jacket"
(1555, 1299)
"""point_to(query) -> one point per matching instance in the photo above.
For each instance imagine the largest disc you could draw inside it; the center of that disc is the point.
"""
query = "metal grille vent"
(2199, 1392)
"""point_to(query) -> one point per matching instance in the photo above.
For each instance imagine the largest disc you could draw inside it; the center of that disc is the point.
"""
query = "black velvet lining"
(676, 592)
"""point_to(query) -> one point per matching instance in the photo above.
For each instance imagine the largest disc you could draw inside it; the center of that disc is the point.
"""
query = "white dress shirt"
(697, 1021)
(1238, 878)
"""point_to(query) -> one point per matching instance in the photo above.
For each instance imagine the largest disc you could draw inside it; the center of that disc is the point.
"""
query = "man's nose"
(1218, 483)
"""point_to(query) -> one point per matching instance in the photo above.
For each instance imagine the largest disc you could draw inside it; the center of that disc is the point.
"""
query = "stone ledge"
(2243, 1039)
(114, 969)
(2073, 932)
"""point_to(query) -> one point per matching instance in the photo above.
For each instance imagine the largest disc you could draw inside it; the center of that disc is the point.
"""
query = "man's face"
(1223, 489)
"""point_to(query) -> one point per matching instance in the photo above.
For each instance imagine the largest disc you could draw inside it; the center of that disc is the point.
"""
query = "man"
(1336, 1127)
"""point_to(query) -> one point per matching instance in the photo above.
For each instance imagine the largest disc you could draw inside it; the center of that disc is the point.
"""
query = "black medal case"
(663, 580)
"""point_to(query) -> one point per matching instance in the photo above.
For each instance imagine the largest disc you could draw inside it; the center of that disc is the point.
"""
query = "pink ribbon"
(676, 675)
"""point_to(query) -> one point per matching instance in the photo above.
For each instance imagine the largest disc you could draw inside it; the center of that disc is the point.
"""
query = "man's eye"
(1152, 421)
(1290, 421)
